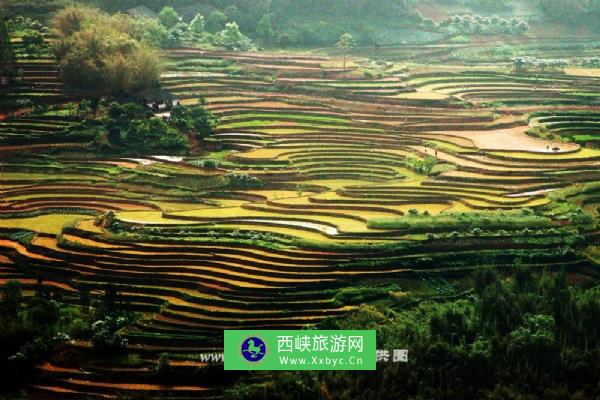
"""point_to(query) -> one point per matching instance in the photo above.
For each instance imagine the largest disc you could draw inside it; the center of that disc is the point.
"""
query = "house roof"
(142, 11)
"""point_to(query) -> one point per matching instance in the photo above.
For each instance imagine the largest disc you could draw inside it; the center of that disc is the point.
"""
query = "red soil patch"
(22, 250)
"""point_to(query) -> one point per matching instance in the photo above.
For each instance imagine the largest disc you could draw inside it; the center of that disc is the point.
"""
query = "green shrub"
(32, 38)
(243, 181)
(194, 119)
(358, 295)
(464, 222)
(210, 164)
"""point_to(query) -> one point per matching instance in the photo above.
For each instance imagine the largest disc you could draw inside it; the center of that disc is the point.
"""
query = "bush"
(232, 39)
(32, 38)
(243, 181)
(422, 166)
(358, 295)
(154, 135)
(151, 32)
(579, 217)
(490, 220)
(163, 366)
(193, 119)
(168, 17)
(132, 128)
(210, 164)
(106, 340)
(197, 24)
(21, 23)
(216, 21)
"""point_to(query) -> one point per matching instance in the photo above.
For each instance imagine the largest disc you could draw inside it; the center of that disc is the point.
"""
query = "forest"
(319, 23)
(527, 335)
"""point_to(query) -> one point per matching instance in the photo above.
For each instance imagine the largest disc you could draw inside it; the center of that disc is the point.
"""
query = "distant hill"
(313, 23)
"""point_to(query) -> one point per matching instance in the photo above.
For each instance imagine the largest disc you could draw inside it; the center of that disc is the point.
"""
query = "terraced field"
(345, 200)
(484, 51)
(578, 127)
(41, 81)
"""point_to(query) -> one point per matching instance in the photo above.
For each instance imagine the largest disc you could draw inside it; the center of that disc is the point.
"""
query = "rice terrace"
(173, 169)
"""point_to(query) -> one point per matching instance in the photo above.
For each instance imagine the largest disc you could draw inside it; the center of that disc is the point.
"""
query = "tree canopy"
(168, 17)
(134, 129)
(97, 50)
(8, 68)
(528, 336)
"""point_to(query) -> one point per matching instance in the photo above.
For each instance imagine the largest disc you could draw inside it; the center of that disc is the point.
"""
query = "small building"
(142, 12)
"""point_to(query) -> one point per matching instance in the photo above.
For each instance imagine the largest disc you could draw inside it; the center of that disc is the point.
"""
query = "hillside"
(308, 23)
(162, 181)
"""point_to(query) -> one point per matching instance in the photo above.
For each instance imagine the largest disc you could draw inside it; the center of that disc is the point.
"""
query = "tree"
(84, 296)
(94, 104)
(519, 63)
(106, 340)
(32, 38)
(43, 312)
(346, 44)
(533, 346)
(265, 29)
(210, 164)
(524, 280)
(84, 109)
(153, 136)
(197, 24)
(163, 366)
(428, 163)
(11, 299)
(284, 41)
(216, 21)
(70, 19)
(232, 12)
(8, 65)
(232, 39)
(151, 32)
(194, 119)
(97, 51)
(568, 11)
(134, 129)
(110, 298)
(168, 17)
(484, 278)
